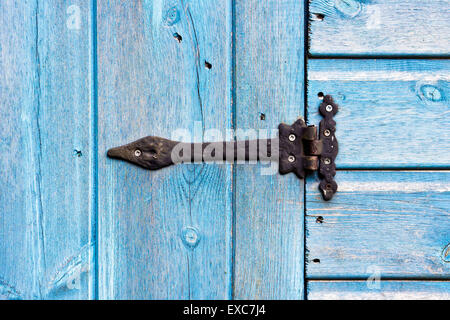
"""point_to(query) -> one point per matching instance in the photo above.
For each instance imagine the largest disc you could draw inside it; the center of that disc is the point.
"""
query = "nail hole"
(208, 65)
(318, 16)
(177, 36)
(320, 95)
(262, 116)
(319, 219)
(77, 153)
(316, 260)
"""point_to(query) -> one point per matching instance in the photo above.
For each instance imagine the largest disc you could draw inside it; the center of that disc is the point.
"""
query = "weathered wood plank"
(163, 234)
(269, 208)
(360, 27)
(383, 290)
(395, 223)
(45, 236)
(393, 113)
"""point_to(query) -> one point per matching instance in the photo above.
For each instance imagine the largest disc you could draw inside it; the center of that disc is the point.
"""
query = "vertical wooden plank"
(45, 238)
(269, 89)
(163, 234)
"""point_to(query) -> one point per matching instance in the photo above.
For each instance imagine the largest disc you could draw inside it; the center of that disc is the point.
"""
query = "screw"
(327, 161)
(292, 137)
(327, 133)
(137, 153)
(329, 108)
(291, 158)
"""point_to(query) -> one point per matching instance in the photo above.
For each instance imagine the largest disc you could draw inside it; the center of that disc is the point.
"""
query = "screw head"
(326, 133)
(292, 137)
(326, 160)
(137, 153)
(291, 158)
(329, 108)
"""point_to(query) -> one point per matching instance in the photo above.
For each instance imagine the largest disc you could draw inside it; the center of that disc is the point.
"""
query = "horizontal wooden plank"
(393, 113)
(360, 27)
(269, 89)
(396, 223)
(46, 244)
(378, 290)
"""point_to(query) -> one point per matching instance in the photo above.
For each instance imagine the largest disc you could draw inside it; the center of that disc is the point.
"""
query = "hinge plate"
(297, 149)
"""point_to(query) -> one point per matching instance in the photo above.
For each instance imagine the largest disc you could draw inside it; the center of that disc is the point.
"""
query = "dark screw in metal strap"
(297, 149)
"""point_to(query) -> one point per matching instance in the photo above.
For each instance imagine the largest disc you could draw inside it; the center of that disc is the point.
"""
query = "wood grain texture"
(383, 290)
(379, 27)
(269, 73)
(392, 223)
(163, 234)
(45, 237)
(392, 113)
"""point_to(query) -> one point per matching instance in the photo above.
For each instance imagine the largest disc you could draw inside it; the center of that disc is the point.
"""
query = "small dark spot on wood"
(208, 65)
(319, 219)
(77, 153)
(316, 260)
(317, 16)
(177, 36)
(262, 116)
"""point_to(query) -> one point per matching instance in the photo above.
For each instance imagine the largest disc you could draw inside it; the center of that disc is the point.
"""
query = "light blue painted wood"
(362, 27)
(269, 53)
(163, 234)
(383, 290)
(394, 223)
(172, 233)
(45, 237)
(393, 113)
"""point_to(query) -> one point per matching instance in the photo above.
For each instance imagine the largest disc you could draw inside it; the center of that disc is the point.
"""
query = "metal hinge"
(297, 148)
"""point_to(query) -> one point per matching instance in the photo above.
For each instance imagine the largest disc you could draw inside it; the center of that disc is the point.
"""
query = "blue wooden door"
(386, 233)
(78, 77)
(198, 231)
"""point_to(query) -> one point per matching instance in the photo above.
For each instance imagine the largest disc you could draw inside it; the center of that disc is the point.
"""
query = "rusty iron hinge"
(298, 149)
